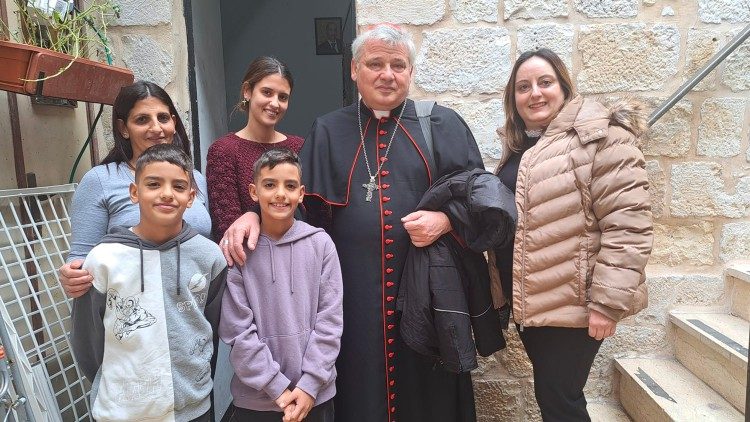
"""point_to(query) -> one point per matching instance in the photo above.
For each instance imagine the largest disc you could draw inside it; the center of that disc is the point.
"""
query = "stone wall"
(698, 158)
(150, 39)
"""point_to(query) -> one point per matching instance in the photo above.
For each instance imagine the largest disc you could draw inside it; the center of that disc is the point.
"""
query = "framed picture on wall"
(328, 36)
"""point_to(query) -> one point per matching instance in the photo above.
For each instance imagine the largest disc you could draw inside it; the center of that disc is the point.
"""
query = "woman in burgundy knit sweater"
(265, 92)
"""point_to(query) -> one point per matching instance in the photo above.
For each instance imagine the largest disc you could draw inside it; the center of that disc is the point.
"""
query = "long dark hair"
(514, 126)
(260, 68)
(122, 151)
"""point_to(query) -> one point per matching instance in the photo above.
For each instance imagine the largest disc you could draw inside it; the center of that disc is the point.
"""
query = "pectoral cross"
(371, 187)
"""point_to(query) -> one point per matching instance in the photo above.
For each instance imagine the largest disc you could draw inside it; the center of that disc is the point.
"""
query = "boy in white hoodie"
(144, 335)
(282, 309)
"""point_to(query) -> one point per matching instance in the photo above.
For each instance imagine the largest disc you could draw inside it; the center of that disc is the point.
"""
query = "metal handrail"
(702, 73)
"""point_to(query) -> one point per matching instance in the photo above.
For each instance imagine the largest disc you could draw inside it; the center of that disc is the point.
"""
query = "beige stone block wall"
(150, 39)
(698, 155)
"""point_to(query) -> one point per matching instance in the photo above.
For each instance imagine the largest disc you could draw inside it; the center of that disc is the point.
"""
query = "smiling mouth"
(280, 205)
(272, 113)
(537, 105)
(167, 207)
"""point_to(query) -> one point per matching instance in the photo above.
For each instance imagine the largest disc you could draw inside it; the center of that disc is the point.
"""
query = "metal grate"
(34, 311)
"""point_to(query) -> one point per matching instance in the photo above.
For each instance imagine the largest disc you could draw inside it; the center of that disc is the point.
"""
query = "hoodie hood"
(125, 236)
(295, 233)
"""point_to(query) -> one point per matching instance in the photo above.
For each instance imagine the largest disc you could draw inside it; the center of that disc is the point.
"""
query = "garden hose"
(108, 53)
(85, 144)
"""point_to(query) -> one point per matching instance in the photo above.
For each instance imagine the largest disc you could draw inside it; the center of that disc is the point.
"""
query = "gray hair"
(388, 34)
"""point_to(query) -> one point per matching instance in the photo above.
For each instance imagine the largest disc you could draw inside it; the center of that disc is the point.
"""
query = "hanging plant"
(55, 40)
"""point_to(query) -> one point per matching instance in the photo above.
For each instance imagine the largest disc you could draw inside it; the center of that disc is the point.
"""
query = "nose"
(387, 73)
(167, 192)
(535, 92)
(275, 101)
(155, 125)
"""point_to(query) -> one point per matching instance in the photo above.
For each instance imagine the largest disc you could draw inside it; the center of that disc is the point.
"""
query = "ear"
(302, 194)
(193, 193)
(133, 193)
(253, 192)
(246, 91)
(122, 129)
(354, 70)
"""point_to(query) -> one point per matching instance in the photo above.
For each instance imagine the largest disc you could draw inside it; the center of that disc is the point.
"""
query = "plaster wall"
(285, 29)
(209, 73)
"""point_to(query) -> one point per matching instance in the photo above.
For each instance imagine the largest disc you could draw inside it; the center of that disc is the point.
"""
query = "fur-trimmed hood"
(630, 114)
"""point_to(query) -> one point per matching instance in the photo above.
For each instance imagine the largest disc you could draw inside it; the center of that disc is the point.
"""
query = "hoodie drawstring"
(178, 267)
(273, 263)
(140, 249)
(291, 270)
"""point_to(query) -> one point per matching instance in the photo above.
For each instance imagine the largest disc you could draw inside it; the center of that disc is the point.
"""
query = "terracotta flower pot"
(85, 80)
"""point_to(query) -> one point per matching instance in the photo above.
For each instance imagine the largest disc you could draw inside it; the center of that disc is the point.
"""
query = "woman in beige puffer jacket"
(584, 230)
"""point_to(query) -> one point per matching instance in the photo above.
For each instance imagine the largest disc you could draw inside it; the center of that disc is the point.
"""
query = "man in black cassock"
(365, 168)
(371, 187)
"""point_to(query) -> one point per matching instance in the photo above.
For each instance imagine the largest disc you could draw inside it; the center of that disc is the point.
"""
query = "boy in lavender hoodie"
(282, 309)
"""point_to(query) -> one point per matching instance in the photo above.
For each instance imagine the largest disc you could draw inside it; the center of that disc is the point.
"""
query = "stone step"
(663, 390)
(738, 280)
(714, 348)
(607, 412)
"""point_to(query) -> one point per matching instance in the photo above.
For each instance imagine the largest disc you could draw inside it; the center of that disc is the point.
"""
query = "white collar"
(381, 113)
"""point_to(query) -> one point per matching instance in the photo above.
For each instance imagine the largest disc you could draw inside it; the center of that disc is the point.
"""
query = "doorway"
(224, 36)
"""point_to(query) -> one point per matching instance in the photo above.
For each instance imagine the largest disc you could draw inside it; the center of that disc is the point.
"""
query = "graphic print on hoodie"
(143, 334)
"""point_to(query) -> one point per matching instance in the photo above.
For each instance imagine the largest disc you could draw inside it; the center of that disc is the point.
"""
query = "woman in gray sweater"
(143, 115)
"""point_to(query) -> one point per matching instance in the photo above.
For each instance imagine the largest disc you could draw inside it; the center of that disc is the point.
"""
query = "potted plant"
(48, 57)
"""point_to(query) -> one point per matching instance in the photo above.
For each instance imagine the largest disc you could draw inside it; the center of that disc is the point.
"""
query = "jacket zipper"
(523, 254)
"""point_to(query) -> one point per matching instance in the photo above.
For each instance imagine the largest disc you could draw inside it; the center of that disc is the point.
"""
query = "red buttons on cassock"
(388, 241)
(393, 409)
(389, 256)
(391, 369)
(389, 298)
(386, 198)
(385, 186)
(390, 341)
(392, 396)
(383, 159)
(389, 313)
(387, 212)
(391, 355)
(389, 270)
(390, 326)
(385, 173)
(381, 146)
(382, 132)
(387, 227)
(392, 383)
(383, 119)
(389, 284)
